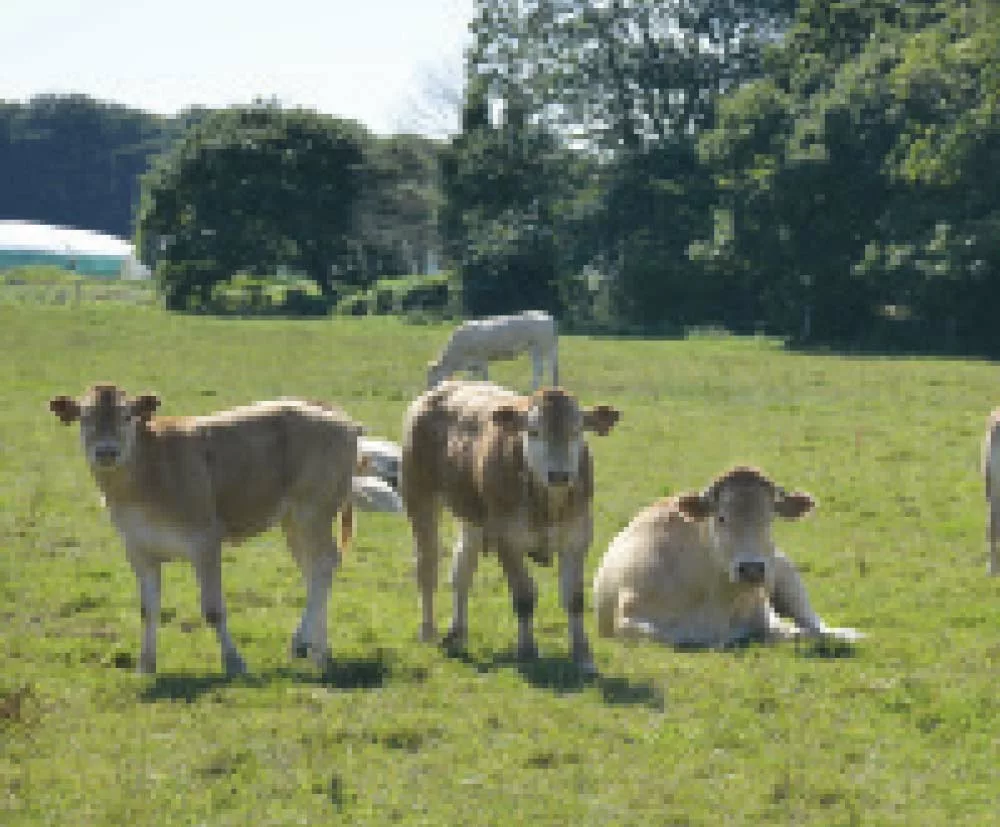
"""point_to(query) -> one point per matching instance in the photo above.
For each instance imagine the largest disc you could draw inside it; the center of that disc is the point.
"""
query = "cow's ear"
(794, 505)
(144, 406)
(507, 416)
(600, 419)
(694, 506)
(66, 408)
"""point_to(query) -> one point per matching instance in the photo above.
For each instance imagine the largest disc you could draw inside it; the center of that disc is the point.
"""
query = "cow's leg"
(208, 569)
(426, 551)
(465, 558)
(993, 531)
(537, 366)
(147, 575)
(484, 370)
(300, 639)
(554, 358)
(790, 599)
(626, 624)
(571, 597)
(523, 597)
(311, 541)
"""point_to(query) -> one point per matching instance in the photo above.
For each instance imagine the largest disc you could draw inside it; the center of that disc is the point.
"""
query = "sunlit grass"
(904, 730)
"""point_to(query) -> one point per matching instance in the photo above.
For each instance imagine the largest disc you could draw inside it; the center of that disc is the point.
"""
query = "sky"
(370, 60)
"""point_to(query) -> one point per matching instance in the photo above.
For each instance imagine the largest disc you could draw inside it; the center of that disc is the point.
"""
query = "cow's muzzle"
(751, 572)
(106, 455)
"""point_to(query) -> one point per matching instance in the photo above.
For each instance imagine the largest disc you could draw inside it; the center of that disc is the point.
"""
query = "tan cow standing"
(517, 475)
(701, 569)
(991, 476)
(178, 487)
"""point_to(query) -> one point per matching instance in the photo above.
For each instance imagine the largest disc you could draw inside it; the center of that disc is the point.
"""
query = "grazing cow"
(477, 342)
(700, 569)
(178, 487)
(991, 475)
(517, 475)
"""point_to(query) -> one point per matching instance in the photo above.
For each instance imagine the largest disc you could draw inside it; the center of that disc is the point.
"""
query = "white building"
(89, 253)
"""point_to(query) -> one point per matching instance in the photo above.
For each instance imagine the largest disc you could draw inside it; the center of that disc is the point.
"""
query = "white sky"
(362, 59)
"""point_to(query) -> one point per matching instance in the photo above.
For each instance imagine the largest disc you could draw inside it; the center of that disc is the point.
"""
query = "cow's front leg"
(208, 569)
(571, 597)
(463, 566)
(523, 597)
(537, 367)
(790, 599)
(147, 575)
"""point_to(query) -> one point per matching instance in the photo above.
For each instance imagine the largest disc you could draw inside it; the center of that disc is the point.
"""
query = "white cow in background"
(477, 342)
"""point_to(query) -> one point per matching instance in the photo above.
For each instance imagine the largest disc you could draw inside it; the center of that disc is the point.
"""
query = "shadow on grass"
(365, 672)
(823, 648)
(562, 675)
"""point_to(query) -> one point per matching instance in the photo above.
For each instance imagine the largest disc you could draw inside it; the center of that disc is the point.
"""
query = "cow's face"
(108, 421)
(741, 505)
(551, 430)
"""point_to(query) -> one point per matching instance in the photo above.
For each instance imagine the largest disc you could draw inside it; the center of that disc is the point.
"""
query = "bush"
(428, 294)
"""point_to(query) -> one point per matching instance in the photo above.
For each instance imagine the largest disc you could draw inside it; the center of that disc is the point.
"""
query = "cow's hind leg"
(311, 542)
(426, 551)
(463, 566)
(208, 569)
(790, 599)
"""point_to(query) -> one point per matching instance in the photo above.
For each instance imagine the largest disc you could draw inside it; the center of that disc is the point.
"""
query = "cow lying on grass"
(178, 487)
(701, 569)
(477, 342)
(516, 474)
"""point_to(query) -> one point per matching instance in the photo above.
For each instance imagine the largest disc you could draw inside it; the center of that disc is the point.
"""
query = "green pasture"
(903, 730)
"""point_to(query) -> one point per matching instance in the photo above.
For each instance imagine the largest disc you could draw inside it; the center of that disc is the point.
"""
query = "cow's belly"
(540, 542)
(154, 535)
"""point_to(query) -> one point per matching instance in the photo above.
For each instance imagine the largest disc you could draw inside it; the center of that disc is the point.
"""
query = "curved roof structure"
(85, 251)
(30, 236)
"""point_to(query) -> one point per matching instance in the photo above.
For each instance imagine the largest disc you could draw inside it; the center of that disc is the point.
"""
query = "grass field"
(903, 730)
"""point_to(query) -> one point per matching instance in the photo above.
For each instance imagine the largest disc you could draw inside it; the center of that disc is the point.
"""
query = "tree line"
(821, 171)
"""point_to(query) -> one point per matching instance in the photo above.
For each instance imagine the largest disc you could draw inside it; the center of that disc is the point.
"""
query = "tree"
(398, 208)
(860, 174)
(625, 87)
(249, 189)
(73, 160)
(502, 186)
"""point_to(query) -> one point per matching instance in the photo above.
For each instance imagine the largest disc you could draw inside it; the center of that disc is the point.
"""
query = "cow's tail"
(347, 513)
(346, 526)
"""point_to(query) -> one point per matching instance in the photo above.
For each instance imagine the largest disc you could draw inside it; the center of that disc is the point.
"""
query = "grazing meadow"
(902, 729)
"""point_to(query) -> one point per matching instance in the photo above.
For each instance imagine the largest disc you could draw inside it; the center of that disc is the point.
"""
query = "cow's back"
(447, 433)
(261, 459)
(661, 558)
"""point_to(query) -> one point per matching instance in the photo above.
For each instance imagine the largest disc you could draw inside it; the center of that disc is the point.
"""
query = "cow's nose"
(558, 477)
(750, 571)
(106, 454)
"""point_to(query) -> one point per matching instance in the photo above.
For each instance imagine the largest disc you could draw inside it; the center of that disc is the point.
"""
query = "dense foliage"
(76, 161)
(820, 170)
